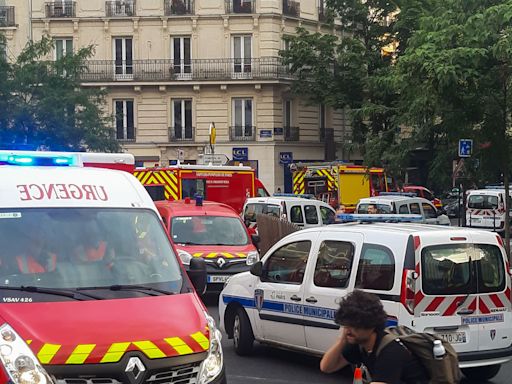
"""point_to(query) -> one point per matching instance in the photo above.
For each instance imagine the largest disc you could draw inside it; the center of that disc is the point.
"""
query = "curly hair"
(361, 310)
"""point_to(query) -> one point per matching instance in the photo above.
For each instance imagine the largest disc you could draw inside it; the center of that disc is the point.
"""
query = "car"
(485, 208)
(452, 282)
(425, 193)
(211, 231)
(404, 204)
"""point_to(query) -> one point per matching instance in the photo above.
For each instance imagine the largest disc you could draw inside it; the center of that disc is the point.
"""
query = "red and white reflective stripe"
(448, 306)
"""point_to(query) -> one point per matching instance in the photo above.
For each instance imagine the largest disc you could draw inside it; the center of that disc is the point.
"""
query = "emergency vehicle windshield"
(77, 248)
(208, 230)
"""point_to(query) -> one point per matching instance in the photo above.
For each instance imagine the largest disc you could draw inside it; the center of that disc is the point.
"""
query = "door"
(296, 215)
(429, 213)
(124, 120)
(242, 56)
(182, 59)
(63, 47)
(242, 120)
(311, 216)
(280, 292)
(123, 56)
(328, 281)
(182, 120)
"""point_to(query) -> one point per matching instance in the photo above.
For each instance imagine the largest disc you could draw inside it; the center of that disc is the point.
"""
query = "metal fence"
(60, 9)
(266, 68)
(182, 133)
(291, 133)
(271, 230)
(7, 18)
(179, 7)
(242, 133)
(120, 8)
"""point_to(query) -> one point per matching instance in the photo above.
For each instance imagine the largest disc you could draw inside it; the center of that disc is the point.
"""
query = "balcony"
(242, 133)
(179, 7)
(60, 10)
(291, 134)
(240, 6)
(291, 8)
(120, 8)
(265, 68)
(7, 17)
(181, 133)
(126, 135)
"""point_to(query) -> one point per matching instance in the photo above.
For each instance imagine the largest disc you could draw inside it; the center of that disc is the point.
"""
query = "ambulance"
(340, 183)
(83, 298)
(452, 282)
(226, 184)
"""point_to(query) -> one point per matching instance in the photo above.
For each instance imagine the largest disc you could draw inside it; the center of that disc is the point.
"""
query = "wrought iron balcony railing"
(7, 17)
(240, 6)
(291, 134)
(120, 8)
(291, 8)
(61, 9)
(242, 133)
(265, 68)
(182, 133)
(179, 7)
(126, 134)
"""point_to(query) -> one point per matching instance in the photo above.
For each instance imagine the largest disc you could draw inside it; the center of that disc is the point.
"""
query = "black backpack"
(442, 371)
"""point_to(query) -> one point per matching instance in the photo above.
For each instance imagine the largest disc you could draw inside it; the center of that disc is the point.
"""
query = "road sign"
(241, 154)
(465, 147)
(216, 159)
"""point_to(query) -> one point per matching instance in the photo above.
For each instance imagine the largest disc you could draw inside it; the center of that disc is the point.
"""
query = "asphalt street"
(273, 366)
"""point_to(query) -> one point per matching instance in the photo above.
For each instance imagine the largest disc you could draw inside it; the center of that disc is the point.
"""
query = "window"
(208, 230)
(3, 51)
(251, 210)
(287, 113)
(242, 54)
(242, 117)
(490, 268)
(381, 208)
(322, 122)
(63, 47)
(124, 118)
(429, 211)
(288, 264)
(428, 195)
(191, 187)
(403, 209)
(415, 209)
(334, 264)
(181, 55)
(262, 192)
(182, 119)
(376, 268)
(483, 202)
(296, 215)
(328, 216)
(123, 56)
(311, 214)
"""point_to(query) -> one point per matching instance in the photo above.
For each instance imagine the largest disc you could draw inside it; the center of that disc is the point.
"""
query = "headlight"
(212, 366)
(184, 256)
(252, 258)
(19, 362)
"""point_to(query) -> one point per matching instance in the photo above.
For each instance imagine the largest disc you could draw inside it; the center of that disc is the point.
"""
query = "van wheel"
(481, 374)
(243, 338)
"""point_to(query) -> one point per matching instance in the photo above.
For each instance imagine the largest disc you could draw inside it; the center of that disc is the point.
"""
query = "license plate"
(453, 337)
(476, 220)
(217, 278)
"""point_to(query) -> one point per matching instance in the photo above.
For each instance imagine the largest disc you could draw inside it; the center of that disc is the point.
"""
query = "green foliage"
(43, 106)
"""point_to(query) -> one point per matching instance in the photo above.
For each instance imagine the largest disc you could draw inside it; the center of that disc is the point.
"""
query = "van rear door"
(446, 289)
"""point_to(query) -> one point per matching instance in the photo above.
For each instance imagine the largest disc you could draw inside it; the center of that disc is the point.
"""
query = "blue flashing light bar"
(385, 218)
(407, 194)
(302, 195)
(37, 159)
(21, 160)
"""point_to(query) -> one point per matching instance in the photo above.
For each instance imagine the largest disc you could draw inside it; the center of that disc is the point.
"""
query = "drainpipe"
(30, 35)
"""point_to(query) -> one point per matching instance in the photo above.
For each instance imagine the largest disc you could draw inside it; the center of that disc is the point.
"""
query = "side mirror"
(257, 269)
(197, 274)
(255, 240)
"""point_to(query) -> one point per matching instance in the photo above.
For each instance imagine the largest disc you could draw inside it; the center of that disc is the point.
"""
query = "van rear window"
(483, 202)
(462, 269)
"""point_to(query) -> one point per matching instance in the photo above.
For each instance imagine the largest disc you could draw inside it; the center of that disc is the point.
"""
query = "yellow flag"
(213, 134)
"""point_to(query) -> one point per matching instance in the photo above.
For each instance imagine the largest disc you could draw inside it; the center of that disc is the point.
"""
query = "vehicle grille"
(184, 374)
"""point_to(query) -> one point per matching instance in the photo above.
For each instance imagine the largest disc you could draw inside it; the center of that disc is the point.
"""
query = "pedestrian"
(362, 319)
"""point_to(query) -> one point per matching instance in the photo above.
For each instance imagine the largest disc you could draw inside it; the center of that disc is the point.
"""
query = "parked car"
(425, 193)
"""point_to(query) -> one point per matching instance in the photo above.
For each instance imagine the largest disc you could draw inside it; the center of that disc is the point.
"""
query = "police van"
(452, 282)
(83, 297)
(485, 208)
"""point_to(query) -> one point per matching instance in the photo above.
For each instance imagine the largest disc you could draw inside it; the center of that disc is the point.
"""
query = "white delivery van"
(485, 208)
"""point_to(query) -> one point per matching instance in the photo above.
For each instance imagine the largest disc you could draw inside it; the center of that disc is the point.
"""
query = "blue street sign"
(465, 147)
(241, 154)
(278, 131)
(266, 133)
(285, 157)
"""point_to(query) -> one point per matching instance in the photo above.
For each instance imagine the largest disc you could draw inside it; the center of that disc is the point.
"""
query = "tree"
(456, 76)
(43, 106)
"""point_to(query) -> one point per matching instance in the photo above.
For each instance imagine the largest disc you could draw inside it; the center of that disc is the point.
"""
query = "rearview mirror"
(257, 269)
(197, 274)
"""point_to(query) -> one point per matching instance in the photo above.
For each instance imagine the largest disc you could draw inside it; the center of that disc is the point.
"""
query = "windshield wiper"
(125, 287)
(71, 293)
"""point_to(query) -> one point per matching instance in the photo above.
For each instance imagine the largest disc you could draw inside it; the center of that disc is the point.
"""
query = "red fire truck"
(230, 185)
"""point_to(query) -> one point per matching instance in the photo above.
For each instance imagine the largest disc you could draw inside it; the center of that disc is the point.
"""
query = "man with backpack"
(384, 358)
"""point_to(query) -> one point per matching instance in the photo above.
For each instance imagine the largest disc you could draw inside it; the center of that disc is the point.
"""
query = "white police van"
(452, 282)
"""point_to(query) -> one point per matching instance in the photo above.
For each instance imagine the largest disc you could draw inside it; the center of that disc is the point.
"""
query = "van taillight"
(500, 240)
(408, 290)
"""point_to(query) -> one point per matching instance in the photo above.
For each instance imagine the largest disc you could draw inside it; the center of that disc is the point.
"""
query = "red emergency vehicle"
(423, 192)
(211, 231)
(91, 288)
(230, 185)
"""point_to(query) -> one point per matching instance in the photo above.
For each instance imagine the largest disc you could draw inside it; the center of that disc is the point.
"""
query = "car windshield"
(483, 202)
(208, 230)
(73, 248)
(381, 208)
(253, 209)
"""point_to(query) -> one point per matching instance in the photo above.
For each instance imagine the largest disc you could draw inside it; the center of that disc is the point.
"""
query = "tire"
(481, 374)
(243, 338)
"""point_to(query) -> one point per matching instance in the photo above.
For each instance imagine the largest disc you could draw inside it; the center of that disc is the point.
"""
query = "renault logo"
(221, 262)
(135, 370)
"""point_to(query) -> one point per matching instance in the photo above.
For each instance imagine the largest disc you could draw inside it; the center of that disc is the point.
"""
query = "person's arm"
(333, 359)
